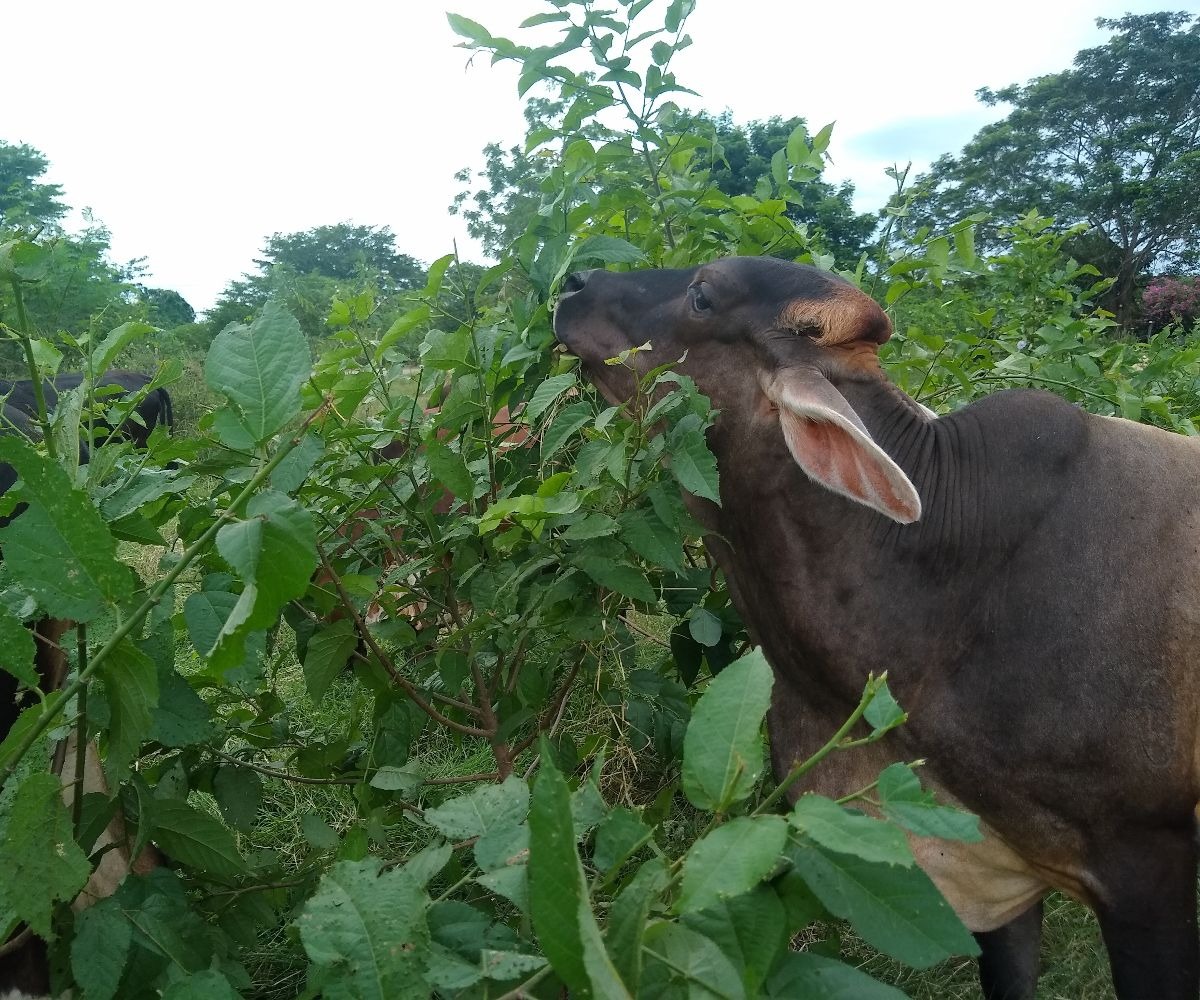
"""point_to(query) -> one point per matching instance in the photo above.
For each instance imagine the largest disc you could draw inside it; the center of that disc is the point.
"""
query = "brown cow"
(1028, 575)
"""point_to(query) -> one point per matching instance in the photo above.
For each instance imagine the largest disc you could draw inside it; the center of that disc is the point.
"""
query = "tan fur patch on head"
(842, 315)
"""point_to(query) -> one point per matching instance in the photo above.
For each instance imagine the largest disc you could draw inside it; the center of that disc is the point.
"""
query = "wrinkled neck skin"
(823, 583)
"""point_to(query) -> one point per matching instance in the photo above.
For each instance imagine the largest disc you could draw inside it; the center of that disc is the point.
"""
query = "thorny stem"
(38, 394)
(80, 734)
(50, 713)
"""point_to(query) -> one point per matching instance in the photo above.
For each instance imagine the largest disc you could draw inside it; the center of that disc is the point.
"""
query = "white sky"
(195, 130)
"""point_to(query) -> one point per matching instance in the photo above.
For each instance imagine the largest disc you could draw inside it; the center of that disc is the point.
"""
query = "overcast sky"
(195, 130)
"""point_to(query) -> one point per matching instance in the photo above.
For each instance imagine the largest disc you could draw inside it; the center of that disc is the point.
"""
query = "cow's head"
(766, 340)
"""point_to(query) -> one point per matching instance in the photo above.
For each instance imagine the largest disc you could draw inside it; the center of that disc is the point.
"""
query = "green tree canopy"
(306, 270)
(25, 200)
(1113, 142)
(506, 201)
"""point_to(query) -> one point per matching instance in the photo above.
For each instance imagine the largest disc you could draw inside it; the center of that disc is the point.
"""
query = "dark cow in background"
(1028, 574)
(152, 410)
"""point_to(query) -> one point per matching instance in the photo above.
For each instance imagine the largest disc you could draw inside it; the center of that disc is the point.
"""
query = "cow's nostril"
(574, 282)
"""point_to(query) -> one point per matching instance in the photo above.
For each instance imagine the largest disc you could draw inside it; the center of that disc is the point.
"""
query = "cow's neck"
(800, 557)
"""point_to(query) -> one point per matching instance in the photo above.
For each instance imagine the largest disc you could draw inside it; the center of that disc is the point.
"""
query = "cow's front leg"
(1147, 913)
(1010, 957)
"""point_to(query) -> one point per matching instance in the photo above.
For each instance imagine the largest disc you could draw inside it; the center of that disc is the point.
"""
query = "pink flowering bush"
(1172, 300)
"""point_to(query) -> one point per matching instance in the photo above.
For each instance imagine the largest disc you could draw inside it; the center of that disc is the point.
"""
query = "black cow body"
(152, 410)
(1028, 575)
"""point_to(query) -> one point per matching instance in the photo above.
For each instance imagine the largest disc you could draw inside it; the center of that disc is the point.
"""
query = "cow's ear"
(829, 442)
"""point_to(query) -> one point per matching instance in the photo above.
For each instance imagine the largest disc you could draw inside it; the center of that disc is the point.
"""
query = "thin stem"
(834, 743)
(80, 734)
(399, 679)
(38, 393)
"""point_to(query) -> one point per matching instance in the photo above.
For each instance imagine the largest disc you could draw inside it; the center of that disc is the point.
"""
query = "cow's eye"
(700, 302)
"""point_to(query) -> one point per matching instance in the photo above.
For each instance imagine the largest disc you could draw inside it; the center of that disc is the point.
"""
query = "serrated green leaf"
(486, 808)
(511, 883)
(618, 836)
(450, 469)
(802, 974)
(17, 649)
(42, 863)
(131, 685)
(558, 896)
(731, 860)
(627, 918)
(367, 930)
(260, 368)
(99, 950)
(907, 803)
(105, 353)
(882, 711)
(895, 909)
(681, 962)
(839, 829)
(723, 746)
(618, 576)
(545, 394)
(566, 423)
(277, 536)
(327, 654)
(692, 464)
(238, 791)
(207, 984)
(750, 930)
(181, 717)
(593, 526)
(658, 543)
(60, 550)
(196, 839)
(608, 250)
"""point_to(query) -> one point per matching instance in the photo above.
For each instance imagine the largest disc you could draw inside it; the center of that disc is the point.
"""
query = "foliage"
(306, 271)
(459, 556)
(1171, 299)
(26, 201)
(1113, 142)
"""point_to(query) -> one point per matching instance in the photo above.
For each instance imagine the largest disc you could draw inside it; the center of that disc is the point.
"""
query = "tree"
(306, 270)
(165, 307)
(742, 158)
(25, 200)
(1113, 142)
(739, 158)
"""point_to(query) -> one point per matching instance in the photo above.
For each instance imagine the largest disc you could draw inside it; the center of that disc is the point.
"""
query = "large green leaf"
(692, 464)
(616, 575)
(195, 838)
(731, 860)
(547, 393)
(558, 897)
(368, 932)
(627, 918)
(847, 832)
(681, 963)
(131, 686)
(816, 977)
(274, 552)
(450, 469)
(41, 862)
(895, 909)
(723, 747)
(99, 950)
(750, 929)
(17, 650)
(238, 791)
(488, 807)
(260, 368)
(905, 801)
(208, 984)
(327, 655)
(59, 549)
